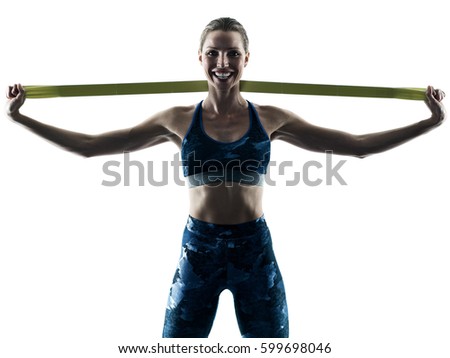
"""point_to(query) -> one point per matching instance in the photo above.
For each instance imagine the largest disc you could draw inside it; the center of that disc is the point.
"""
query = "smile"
(222, 75)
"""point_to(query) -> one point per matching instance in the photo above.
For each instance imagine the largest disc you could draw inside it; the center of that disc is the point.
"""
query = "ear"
(200, 56)
(247, 56)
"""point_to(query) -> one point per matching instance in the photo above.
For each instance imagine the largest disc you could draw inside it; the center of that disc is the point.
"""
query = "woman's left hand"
(434, 103)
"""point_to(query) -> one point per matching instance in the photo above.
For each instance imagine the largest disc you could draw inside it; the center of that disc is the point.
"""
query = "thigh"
(259, 296)
(194, 295)
(193, 316)
(262, 313)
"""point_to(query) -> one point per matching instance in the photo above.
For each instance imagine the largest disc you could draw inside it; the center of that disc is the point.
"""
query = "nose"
(222, 61)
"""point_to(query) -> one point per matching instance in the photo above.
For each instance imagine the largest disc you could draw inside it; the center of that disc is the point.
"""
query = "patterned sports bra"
(207, 161)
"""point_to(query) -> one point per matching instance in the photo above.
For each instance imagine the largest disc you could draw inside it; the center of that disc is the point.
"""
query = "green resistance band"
(202, 86)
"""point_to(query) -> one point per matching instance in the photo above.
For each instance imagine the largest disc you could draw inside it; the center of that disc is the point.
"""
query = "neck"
(224, 102)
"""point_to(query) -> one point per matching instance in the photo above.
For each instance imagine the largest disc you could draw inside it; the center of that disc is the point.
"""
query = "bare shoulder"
(178, 119)
(169, 116)
(174, 121)
(273, 118)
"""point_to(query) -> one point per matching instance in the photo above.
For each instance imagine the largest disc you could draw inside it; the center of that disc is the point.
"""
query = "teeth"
(223, 75)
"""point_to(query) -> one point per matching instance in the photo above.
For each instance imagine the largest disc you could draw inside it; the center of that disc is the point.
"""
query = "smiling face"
(223, 58)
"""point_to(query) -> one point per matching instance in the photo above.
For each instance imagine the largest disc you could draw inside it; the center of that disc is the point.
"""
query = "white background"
(85, 268)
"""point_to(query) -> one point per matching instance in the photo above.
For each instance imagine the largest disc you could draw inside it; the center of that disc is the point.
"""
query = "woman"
(225, 147)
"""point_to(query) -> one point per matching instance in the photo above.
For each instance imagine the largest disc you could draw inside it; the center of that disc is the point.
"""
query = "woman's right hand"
(16, 98)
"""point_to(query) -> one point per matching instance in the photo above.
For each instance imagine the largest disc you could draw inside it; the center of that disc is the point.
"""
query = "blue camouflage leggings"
(235, 257)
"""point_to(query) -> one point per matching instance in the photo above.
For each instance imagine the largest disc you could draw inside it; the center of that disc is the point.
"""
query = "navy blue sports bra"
(208, 161)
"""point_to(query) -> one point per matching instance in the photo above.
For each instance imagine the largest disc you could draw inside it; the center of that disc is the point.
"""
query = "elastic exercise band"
(202, 86)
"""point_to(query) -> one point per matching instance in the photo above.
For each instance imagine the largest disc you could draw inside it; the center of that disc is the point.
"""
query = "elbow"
(362, 147)
(97, 145)
(87, 147)
(82, 152)
(357, 146)
(361, 156)
(85, 154)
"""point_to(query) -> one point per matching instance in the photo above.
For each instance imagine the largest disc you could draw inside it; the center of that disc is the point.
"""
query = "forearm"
(379, 142)
(78, 143)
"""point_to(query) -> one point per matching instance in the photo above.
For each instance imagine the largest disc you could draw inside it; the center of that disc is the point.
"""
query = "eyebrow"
(217, 48)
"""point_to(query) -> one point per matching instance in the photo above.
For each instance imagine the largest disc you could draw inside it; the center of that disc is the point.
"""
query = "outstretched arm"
(144, 135)
(305, 135)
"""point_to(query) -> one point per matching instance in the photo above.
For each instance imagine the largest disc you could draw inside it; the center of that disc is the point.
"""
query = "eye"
(234, 53)
(211, 53)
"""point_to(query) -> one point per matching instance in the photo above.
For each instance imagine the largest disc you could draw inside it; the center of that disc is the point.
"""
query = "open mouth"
(222, 75)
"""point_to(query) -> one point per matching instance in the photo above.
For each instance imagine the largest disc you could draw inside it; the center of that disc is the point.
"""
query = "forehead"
(223, 39)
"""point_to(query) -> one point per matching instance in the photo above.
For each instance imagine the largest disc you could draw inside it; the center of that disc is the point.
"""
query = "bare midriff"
(226, 204)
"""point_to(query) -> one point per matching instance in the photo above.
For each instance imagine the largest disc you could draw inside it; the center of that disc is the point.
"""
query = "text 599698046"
(293, 348)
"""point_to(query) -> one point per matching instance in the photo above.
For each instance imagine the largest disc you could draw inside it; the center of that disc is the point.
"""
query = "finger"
(21, 90)
(14, 90)
(439, 94)
(434, 95)
(17, 90)
(429, 94)
(9, 92)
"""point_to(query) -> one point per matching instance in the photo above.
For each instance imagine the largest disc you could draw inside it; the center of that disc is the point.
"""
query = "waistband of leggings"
(223, 231)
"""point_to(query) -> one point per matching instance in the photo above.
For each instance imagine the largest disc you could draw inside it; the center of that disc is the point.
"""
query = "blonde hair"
(225, 24)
